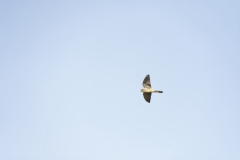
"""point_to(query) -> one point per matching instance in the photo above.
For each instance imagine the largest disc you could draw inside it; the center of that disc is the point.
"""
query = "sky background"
(71, 74)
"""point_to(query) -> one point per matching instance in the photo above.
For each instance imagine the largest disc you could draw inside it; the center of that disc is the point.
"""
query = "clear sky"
(71, 74)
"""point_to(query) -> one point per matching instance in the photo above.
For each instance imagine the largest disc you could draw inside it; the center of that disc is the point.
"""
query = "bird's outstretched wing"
(146, 82)
(147, 96)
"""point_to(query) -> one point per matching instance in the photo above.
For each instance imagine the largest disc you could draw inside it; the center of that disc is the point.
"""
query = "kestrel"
(147, 89)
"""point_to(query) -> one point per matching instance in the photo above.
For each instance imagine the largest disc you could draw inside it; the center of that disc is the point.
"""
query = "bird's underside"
(147, 89)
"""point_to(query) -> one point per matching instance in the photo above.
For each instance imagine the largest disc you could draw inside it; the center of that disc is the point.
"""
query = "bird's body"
(147, 89)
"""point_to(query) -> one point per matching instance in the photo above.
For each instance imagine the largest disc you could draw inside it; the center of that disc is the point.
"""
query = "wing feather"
(146, 82)
(147, 96)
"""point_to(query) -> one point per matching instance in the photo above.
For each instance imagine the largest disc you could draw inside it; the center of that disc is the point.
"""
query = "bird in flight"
(147, 89)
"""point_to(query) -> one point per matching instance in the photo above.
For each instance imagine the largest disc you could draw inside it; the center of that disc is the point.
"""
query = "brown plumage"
(147, 89)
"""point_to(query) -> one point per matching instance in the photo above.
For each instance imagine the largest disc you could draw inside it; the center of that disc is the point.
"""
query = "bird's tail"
(156, 91)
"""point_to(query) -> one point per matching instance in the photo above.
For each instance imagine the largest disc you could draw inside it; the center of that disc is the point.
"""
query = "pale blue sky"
(71, 74)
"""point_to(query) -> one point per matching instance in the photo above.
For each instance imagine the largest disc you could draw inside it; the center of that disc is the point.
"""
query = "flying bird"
(147, 89)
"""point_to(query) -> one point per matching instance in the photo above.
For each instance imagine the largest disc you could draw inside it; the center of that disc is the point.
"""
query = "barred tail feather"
(156, 91)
